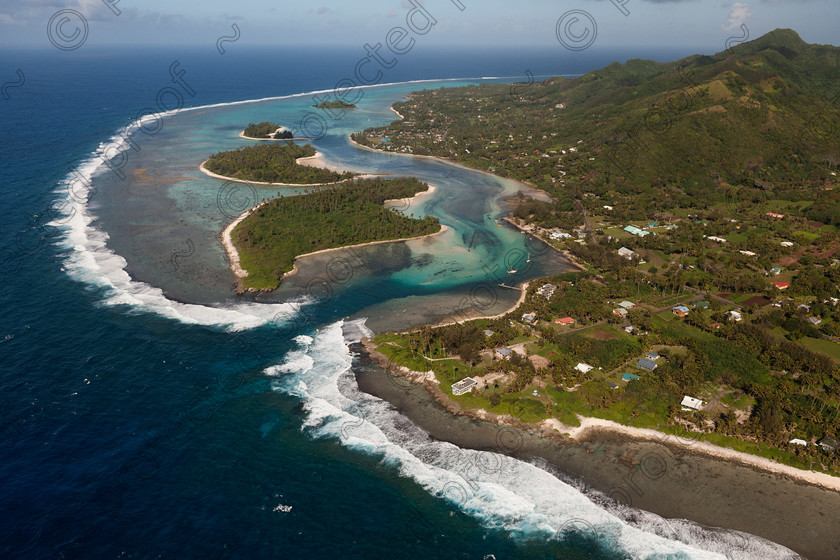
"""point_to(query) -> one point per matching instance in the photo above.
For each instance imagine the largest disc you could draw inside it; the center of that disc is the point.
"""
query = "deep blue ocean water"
(130, 434)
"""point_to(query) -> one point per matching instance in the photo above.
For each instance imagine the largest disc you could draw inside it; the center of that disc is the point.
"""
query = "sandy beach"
(673, 477)
(294, 271)
(209, 173)
(403, 204)
(296, 138)
(239, 272)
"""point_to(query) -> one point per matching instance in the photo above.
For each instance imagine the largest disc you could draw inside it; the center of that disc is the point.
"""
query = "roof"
(644, 363)
(681, 308)
(620, 311)
(691, 402)
(566, 321)
(829, 442)
(798, 441)
(627, 304)
(488, 332)
(629, 377)
(583, 368)
(652, 356)
(625, 252)
(463, 386)
(504, 351)
(781, 285)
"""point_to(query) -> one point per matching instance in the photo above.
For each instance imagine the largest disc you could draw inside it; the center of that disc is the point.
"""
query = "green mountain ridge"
(763, 114)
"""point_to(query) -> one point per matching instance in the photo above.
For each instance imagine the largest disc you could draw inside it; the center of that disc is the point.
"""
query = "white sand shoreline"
(209, 173)
(398, 203)
(295, 270)
(239, 272)
(588, 424)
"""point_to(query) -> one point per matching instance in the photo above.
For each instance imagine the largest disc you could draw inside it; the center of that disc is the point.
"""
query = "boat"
(529, 257)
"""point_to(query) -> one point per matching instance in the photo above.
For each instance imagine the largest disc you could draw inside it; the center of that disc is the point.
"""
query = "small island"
(272, 163)
(338, 104)
(267, 131)
(264, 243)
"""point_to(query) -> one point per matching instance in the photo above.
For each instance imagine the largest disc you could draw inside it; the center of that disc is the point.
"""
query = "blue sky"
(701, 24)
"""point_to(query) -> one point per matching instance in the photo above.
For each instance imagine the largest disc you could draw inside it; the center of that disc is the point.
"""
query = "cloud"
(738, 15)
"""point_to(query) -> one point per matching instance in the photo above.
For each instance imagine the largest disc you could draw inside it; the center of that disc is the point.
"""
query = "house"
(628, 377)
(606, 207)
(801, 442)
(627, 304)
(786, 244)
(774, 215)
(528, 318)
(612, 385)
(734, 316)
(652, 356)
(644, 363)
(690, 403)
(559, 235)
(636, 231)
(804, 307)
(814, 320)
(620, 311)
(681, 311)
(702, 304)
(829, 443)
(547, 290)
(748, 253)
(629, 329)
(488, 333)
(782, 285)
(503, 353)
(565, 321)
(583, 368)
(626, 253)
(715, 238)
(464, 386)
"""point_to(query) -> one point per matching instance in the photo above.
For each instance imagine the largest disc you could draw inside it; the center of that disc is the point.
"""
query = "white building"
(583, 368)
(464, 386)
(690, 403)
(626, 253)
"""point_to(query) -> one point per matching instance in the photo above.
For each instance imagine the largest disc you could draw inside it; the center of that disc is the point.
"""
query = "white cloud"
(738, 15)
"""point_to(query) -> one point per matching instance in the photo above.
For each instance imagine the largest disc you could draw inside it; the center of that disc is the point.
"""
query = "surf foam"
(502, 492)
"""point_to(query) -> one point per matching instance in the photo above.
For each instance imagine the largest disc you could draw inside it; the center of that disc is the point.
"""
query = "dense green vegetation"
(272, 237)
(272, 163)
(335, 104)
(758, 121)
(264, 129)
(729, 163)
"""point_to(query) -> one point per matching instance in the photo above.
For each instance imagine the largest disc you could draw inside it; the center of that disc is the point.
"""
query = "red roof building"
(782, 285)
(566, 321)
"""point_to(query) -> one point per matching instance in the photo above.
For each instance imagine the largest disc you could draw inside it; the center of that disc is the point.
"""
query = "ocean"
(149, 412)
